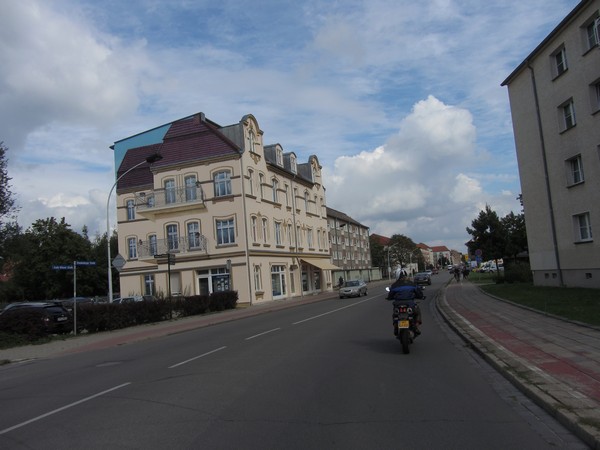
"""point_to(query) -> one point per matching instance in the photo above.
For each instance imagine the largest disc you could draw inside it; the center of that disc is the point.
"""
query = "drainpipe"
(246, 231)
(546, 176)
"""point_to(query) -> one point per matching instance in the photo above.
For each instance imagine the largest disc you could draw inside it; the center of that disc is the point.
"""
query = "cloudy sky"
(400, 100)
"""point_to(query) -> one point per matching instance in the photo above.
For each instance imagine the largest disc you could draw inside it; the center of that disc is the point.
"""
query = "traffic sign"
(85, 263)
(118, 262)
(62, 267)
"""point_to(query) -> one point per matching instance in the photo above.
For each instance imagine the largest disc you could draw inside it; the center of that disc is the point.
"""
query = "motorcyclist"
(406, 291)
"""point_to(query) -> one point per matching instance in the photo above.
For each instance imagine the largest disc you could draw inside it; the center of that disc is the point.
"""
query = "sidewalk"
(97, 341)
(556, 363)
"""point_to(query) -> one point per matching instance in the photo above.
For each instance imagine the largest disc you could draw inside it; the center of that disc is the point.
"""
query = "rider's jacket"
(405, 292)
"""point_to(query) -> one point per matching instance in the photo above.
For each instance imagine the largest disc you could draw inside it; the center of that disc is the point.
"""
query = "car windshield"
(352, 283)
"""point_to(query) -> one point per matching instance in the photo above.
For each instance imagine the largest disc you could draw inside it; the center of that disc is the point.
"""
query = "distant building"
(555, 105)
(442, 255)
(220, 211)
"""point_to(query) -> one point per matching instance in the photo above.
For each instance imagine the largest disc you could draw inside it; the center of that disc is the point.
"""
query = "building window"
(593, 33)
(170, 193)
(595, 96)
(172, 237)
(309, 238)
(289, 234)
(190, 188)
(287, 195)
(293, 165)
(152, 245)
(583, 227)
(278, 281)
(150, 201)
(279, 157)
(278, 240)
(574, 170)
(265, 231)
(568, 115)
(225, 232)
(132, 248)
(275, 188)
(257, 279)
(149, 285)
(261, 182)
(560, 61)
(222, 182)
(306, 202)
(251, 181)
(253, 227)
(193, 232)
(130, 210)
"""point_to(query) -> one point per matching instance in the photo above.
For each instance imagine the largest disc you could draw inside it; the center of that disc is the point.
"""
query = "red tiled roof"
(381, 240)
(187, 140)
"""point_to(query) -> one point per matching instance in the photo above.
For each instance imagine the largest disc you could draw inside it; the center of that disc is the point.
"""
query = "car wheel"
(341, 296)
(365, 292)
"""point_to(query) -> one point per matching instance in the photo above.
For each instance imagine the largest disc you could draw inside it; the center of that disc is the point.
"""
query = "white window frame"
(130, 209)
(225, 229)
(559, 61)
(172, 232)
(132, 248)
(193, 235)
(190, 188)
(278, 240)
(583, 227)
(567, 114)
(149, 284)
(222, 183)
(257, 278)
(265, 230)
(170, 191)
(275, 189)
(575, 174)
(253, 229)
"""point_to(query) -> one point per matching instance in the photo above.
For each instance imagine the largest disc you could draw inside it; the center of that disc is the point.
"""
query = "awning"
(323, 264)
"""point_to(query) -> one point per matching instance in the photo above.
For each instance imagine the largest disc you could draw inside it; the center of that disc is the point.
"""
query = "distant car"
(422, 278)
(354, 288)
(132, 299)
(435, 271)
(53, 317)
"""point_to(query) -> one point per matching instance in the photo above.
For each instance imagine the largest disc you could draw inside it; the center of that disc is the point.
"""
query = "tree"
(404, 251)
(7, 201)
(516, 234)
(378, 254)
(488, 235)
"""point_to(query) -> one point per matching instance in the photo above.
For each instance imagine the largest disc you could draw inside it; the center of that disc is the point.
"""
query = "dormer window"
(251, 140)
(293, 165)
(279, 157)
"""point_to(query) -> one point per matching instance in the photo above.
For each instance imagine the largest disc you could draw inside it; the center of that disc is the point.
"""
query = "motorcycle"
(404, 319)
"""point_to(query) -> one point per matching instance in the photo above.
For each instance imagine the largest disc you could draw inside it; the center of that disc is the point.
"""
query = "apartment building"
(350, 247)
(555, 104)
(219, 211)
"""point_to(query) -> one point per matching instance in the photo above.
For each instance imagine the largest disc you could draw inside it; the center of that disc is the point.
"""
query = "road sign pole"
(75, 298)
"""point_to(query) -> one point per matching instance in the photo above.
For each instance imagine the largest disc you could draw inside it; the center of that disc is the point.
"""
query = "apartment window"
(265, 231)
(251, 181)
(278, 233)
(257, 279)
(287, 195)
(583, 227)
(289, 234)
(278, 281)
(306, 202)
(261, 182)
(190, 188)
(279, 157)
(150, 201)
(595, 96)
(574, 170)
(293, 165)
(253, 227)
(225, 232)
(152, 245)
(172, 237)
(193, 233)
(170, 193)
(568, 115)
(560, 61)
(593, 33)
(149, 285)
(309, 238)
(275, 188)
(222, 181)
(130, 210)
(132, 248)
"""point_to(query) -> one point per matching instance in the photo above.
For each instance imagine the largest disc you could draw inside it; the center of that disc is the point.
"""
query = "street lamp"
(389, 267)
(150, 159)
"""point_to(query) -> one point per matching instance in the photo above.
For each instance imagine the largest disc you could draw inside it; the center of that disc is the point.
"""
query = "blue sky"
(400, 101)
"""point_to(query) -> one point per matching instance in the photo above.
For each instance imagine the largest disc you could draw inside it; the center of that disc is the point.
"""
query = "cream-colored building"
(555, 104)
(219, 211)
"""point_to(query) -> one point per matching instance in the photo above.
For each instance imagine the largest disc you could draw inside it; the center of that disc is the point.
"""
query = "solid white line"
(196, 357)
(262, 334)
(332, 311)
(35, 419)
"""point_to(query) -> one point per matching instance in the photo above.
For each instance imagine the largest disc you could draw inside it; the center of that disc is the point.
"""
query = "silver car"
(354, 288)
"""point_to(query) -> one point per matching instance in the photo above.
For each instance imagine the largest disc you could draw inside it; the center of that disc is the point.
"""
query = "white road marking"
(91, 397)
(262, 334)
(196, 357)
(332, 311)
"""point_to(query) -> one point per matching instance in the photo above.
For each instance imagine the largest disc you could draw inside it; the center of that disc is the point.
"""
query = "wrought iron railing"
(188, 244)
(164, 198)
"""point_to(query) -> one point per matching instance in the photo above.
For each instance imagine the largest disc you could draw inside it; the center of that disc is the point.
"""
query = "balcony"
(167, 201)
(181, 245)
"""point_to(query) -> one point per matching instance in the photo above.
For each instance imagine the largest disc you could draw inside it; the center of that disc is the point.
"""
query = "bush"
(25, 322)
(220, 301)
(194, 305)
(518, 272)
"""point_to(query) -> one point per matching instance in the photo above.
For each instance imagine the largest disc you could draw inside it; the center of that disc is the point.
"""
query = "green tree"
(516, 234)
(378, 253)
(403, 251)
(488, 235)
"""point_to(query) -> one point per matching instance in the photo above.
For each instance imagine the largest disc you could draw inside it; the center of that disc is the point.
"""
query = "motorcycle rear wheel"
(405, 340)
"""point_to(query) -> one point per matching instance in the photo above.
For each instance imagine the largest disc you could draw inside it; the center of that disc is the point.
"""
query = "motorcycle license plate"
(403, 324)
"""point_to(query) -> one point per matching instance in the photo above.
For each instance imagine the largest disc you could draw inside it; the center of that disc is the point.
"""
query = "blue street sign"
(62, 267)
(85, 263)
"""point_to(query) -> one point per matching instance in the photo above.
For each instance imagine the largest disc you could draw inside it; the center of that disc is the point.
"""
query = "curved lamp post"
(150, 159)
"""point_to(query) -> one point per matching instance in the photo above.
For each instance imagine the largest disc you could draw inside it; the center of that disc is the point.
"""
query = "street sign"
(62, 267)
(118, 262)
(85, 263)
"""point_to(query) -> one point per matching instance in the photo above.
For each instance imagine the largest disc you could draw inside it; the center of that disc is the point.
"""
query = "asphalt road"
(318, 376)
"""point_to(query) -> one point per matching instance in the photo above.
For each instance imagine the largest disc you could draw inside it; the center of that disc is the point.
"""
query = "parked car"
(354, 288)
(50, 317)
(132, 299)
(422, 278)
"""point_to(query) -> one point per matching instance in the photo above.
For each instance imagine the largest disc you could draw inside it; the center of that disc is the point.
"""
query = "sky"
(401, 101)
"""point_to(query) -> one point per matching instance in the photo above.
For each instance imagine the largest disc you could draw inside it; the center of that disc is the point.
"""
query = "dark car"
(38, 317)
(422, 278)
(354, 288)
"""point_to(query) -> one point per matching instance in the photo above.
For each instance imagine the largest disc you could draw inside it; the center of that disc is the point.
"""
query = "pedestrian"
(341, 282)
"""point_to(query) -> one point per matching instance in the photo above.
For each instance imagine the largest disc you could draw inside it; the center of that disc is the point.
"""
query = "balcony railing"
(190, 244)
(169, 198)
